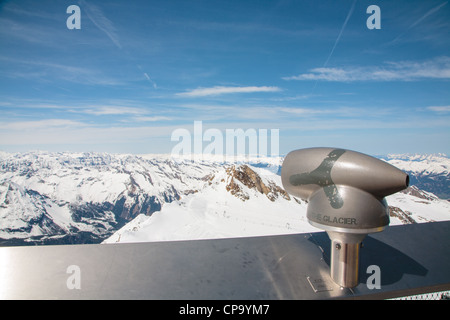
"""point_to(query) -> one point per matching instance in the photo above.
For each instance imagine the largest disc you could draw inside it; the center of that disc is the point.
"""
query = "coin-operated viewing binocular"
(345, 191)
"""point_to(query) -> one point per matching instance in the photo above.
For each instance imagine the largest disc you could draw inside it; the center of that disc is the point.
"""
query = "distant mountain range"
(66, 198)
(427, 172)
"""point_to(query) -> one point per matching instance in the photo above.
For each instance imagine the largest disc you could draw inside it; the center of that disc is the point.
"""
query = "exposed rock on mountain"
(56, 198)
(252, 180)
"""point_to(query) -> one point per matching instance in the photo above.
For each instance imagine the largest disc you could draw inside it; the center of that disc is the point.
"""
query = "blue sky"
(138, 70)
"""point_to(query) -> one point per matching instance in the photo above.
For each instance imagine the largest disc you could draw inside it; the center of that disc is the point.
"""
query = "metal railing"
(411, 260)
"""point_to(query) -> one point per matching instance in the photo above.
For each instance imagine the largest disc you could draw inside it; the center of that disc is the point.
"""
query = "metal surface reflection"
(275, 267)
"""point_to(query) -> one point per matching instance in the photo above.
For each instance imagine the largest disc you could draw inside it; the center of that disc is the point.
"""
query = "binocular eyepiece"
(345, 191)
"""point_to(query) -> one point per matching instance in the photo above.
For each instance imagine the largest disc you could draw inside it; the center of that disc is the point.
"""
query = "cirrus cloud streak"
(438, 68)
(219, 90)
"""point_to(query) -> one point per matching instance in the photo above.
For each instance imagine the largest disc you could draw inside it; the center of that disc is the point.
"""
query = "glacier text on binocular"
(337, 220)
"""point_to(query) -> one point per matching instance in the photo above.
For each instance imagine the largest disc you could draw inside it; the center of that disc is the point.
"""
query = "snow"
(193, 195)
(425, 164)
(216, 213)
(421, 210)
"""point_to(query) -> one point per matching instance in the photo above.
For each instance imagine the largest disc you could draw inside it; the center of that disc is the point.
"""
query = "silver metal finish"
(320, 284)
(315, 168)
(345, 190)
(276, 267)
(360, 212)
(344, 268)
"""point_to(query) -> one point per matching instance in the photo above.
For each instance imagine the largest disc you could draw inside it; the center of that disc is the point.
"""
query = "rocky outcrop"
(249, 178)
(416, 192)
(403, 216)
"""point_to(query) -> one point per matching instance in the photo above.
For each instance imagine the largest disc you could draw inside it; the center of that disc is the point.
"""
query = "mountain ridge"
(57, 198)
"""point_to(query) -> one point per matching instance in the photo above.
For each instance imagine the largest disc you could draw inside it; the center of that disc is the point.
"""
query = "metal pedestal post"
(345, 258)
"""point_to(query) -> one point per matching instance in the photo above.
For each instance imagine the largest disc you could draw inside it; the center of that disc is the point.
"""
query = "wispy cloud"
(111, 110)
(427, 14)
(96, 15)
(219, 90)
(438, 68)
(152, 119)
(41, 124)
(153, 83)
(419, 20)
(150, 80)
(61, 132)
(305, 111)
(103, 23)
(46, 71)
(440, 109)
(239, 112)
(30, 24)
(293, 98)
(128, 114)
(352, 8)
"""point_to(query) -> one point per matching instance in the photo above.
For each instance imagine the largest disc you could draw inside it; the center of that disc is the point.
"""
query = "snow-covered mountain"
(234, 201)
(84, 197)
(237, 202)
(428, 172)
(93, 197)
